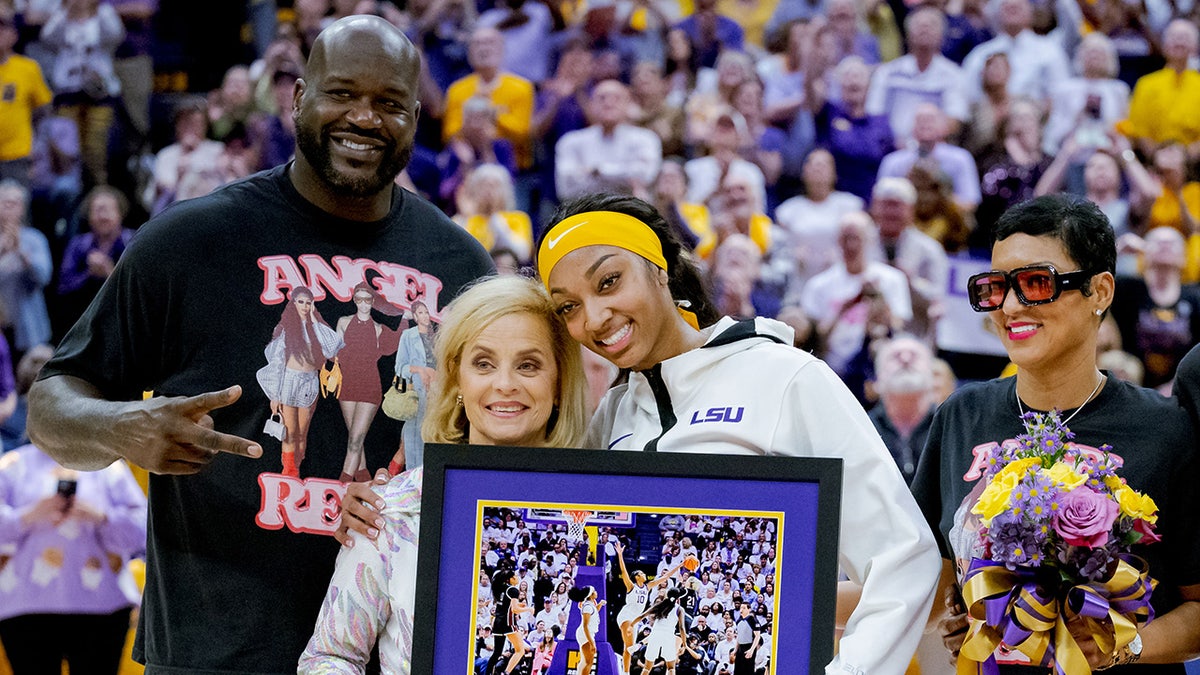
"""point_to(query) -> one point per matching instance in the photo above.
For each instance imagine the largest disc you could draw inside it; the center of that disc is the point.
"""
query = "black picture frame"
(805, 492)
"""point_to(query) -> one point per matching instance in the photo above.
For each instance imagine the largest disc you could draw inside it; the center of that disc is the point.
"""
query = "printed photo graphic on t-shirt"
(350, 333)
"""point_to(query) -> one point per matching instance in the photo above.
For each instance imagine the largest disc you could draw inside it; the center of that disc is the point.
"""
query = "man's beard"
(909, 382)
(315, 144)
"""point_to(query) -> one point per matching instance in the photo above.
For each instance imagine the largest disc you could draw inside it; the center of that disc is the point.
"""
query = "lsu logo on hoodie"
(728, 414)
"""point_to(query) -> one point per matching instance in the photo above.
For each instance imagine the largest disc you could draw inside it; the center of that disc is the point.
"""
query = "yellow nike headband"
(598, 228)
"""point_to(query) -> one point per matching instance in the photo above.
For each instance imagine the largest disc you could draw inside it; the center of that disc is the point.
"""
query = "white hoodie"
(745, 393)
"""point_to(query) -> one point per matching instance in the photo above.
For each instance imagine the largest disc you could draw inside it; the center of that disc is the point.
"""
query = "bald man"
(1163, 108)
(611, 154)
(512, 96)
(223, 308)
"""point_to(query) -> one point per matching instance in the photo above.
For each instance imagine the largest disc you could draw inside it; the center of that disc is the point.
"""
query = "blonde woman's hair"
(475, 309)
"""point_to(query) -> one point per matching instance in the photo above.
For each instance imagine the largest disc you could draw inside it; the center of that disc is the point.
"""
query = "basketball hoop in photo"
(576, 524)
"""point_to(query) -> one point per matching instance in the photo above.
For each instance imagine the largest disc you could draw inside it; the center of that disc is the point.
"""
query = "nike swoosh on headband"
(553, 241)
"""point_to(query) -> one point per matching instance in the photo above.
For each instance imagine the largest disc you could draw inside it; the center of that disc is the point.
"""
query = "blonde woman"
(508, 374)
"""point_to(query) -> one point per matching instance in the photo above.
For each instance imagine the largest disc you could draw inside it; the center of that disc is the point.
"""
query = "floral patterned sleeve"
(371, 594)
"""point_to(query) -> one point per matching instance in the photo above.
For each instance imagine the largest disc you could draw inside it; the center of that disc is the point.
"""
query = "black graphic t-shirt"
(1150, 433)
(1157, 335)
(203, 299)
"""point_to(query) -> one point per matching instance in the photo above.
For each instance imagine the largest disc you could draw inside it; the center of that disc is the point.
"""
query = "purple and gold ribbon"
(1021, 609)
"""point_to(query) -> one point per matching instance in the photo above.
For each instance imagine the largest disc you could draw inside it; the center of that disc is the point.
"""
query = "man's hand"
(360, 510)
(953, 624)
(1097, 660)
(175, 435)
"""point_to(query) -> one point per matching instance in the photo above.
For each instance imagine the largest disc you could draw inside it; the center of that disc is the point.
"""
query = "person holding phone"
(65, 592)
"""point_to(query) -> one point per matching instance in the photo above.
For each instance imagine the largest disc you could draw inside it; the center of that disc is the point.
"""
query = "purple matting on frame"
(465, 487)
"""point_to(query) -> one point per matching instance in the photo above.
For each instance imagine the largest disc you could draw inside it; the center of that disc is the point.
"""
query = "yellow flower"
(1113, 483)
(1065, 474)
(1018, 468)
(1136, 505)
(996, 497)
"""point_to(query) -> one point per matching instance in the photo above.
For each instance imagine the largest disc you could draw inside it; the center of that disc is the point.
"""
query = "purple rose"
(1085, 517)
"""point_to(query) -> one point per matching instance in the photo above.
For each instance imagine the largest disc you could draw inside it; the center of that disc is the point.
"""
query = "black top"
(235, 575)
(906, 451)
(1158, 335)
(1150, 433)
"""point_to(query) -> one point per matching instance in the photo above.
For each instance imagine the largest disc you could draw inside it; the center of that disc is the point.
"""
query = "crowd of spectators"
(733, 579)
(826, 161)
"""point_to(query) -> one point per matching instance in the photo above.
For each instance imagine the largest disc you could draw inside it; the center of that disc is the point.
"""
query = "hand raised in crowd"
(561, 87)
(175, 435)
(99, 264)
(47, 511)
(360, 510)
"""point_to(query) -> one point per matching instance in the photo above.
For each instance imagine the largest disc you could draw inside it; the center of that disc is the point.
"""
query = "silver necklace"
(1091, 396)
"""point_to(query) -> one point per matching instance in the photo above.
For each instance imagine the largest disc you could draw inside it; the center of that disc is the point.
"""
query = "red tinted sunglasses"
(1034, 285)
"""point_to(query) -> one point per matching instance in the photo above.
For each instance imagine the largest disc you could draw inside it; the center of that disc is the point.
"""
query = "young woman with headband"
(627, 291)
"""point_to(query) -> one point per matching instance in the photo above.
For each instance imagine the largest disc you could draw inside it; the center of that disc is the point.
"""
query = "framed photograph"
(659, 556)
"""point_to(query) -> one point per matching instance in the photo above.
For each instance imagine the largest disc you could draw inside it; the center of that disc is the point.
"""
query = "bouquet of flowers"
(1057, 525)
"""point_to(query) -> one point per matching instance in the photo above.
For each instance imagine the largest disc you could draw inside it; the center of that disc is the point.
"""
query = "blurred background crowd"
(836, 164)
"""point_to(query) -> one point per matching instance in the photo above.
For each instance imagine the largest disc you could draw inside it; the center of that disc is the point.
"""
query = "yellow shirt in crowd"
(512, 97)
(22, 90)
(760, 233)
(1164, 107)
(518, 223)
(1164, 212)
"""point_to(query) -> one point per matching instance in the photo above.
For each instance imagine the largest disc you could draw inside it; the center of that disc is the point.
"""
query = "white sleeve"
(955, 103)
(972, 67)
(877, 92)
(571, 169)
(648, 160)
(896, 294)
(884, 543)
(600, 426)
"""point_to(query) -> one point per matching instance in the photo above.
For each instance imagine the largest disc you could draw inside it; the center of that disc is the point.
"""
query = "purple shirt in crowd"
(858, 145)
(76, 567)
(74, 271)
